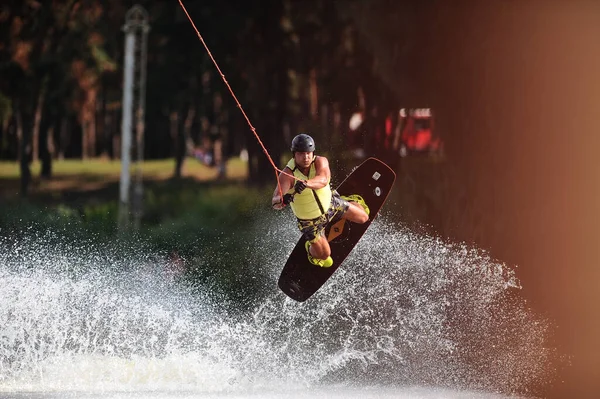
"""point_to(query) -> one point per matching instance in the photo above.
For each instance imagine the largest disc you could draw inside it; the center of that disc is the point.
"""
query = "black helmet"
(303, 143)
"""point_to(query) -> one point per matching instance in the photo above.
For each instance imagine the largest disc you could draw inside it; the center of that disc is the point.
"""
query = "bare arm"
(286, 183)
(323, 174)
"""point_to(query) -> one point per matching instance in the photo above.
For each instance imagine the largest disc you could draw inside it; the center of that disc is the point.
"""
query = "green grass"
(86, 192)
(108, 168)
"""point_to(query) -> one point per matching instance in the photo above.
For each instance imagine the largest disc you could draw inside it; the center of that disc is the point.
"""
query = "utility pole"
(134, 99)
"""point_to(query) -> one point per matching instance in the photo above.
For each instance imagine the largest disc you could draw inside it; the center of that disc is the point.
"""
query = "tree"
(28, 23)
(52, 53)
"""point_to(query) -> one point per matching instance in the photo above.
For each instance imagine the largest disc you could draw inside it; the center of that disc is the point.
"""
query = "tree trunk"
(46, 147)
(91, 123)
(88, 131)
(64, 136)
(35, 135)
(187, 128)
(177, 137)
(100, 122)
(24, 132)
(7, 127)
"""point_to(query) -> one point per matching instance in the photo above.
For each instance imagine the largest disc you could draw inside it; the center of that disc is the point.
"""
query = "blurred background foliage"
(514, 87)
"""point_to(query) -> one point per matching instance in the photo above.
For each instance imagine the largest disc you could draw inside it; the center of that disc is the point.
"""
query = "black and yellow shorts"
(313, 228)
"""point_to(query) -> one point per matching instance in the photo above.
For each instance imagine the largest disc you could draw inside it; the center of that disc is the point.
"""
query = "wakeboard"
(372, 180)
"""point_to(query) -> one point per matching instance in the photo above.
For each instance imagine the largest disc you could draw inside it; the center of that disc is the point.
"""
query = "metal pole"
(140, 119)
(126, 130)
(134, 92)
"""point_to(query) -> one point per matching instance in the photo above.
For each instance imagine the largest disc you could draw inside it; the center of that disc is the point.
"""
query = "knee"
(360, 216)
(363, 218)
(356, 214)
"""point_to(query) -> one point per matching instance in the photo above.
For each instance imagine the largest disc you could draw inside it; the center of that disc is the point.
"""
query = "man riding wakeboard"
(312, 200)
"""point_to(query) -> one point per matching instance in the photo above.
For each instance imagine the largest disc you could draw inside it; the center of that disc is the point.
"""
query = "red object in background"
(417, 132)
(388, 132)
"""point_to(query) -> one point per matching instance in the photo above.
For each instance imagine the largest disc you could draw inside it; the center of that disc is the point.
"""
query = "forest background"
(513, 85)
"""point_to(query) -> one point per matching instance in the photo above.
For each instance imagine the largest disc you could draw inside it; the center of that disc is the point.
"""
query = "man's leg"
(320, 248)
(356, 213)
(317, 247)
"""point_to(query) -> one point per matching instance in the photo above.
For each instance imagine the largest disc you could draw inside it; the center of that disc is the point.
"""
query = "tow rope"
(275, 168)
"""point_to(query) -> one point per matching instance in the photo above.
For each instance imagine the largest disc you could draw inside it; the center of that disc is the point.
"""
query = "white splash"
(403, 310)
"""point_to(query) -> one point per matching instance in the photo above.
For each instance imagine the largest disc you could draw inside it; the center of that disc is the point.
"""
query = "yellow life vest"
(311, 203)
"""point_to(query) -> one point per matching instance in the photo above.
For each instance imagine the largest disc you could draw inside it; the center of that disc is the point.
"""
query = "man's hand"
(279, 204)
(299, 186)
(287, 198)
